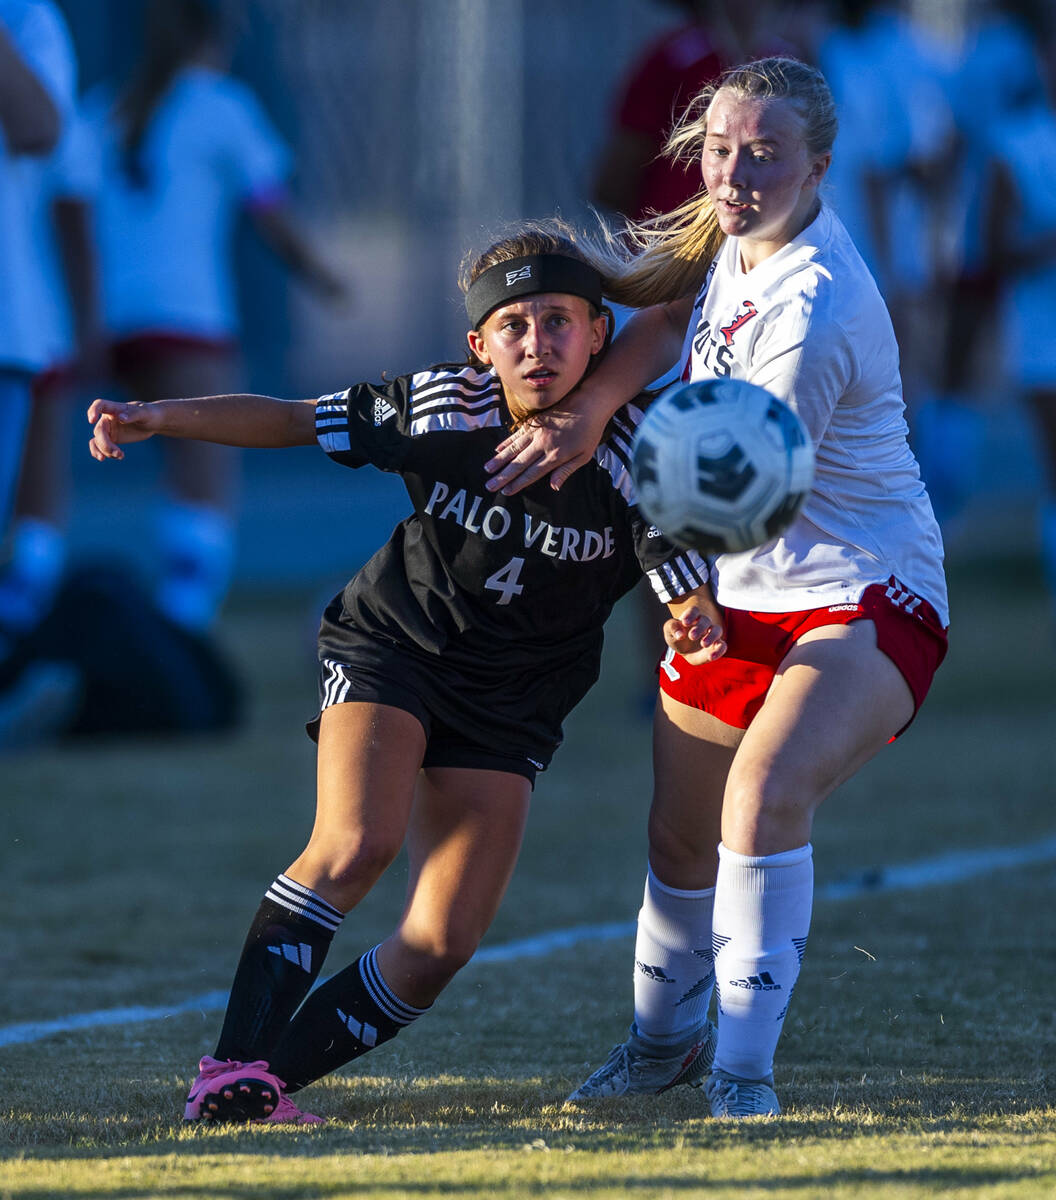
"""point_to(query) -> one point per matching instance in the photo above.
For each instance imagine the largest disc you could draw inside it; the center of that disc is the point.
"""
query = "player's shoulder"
(823, 281)
(449, 396)
(613, 454)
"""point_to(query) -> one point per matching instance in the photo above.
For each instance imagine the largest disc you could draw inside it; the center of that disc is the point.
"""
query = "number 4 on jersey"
(504, 581)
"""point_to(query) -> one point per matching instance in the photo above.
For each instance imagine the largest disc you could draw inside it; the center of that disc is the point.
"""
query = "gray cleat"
(628, 1071)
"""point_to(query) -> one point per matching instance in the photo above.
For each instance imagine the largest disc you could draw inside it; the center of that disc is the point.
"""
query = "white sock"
(762, 918)
(673, 973)
(197, 544)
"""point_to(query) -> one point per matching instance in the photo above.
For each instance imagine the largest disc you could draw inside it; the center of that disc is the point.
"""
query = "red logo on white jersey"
(742, 317)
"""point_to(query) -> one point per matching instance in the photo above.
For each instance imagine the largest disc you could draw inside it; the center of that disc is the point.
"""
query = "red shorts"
(734, 687)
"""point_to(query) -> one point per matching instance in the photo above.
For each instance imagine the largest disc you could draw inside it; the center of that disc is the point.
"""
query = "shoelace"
(618, 1060)
(222, 1067)
(730, 1092)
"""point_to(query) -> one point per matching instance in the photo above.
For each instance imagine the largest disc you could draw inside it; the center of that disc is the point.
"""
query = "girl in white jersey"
(833, 630)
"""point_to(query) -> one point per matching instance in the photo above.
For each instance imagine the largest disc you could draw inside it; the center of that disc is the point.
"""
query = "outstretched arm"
(562, 439)
(251, 421)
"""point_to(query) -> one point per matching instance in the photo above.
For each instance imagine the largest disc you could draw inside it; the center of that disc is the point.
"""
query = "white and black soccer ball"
(721, 465)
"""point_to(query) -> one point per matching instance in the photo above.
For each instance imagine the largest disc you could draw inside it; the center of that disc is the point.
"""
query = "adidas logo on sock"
(700, 988)
(763, 982)
(366, 1034)
(656, 974)
(301, 954)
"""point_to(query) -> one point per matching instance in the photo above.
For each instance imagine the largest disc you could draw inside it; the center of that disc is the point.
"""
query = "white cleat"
(730, 1096)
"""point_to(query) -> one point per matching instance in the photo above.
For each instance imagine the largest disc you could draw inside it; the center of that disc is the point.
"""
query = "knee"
(765, 813)
(681, 858)
(435, 959)
(345, 870)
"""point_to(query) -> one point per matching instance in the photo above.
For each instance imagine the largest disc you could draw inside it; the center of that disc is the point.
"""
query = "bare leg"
(836, 701)
(463, 840)
(465, 834)
(692, 753)
(367, 766)
(368, 763)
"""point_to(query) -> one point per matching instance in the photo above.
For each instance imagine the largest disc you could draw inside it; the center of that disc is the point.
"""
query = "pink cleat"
(235, 1091)
(287, 1113)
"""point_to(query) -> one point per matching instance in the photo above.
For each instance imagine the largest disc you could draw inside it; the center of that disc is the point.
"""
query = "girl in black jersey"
(448, 663)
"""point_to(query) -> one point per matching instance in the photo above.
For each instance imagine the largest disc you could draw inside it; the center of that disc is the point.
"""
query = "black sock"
(343, 1018)
(280, 961)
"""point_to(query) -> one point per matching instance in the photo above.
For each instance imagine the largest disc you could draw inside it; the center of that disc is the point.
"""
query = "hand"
(558, 441)
(117, 425)
(698, 637)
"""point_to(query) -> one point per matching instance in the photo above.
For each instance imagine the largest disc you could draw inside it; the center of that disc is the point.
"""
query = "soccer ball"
(721, 465)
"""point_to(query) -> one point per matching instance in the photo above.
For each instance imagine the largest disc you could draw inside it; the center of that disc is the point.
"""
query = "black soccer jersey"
(504, 596)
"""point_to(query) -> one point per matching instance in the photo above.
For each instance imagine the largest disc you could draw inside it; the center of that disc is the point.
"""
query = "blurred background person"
(1020, 255)
(37, 88)
(68, 313)
(993, 59)
(893, 156)
(632, 178)
(186, 149)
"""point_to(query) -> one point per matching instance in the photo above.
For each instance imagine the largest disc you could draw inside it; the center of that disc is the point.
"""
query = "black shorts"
(384, 675)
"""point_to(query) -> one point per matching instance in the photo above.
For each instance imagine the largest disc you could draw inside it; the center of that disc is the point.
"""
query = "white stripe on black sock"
(302, 901)
(391, 1005)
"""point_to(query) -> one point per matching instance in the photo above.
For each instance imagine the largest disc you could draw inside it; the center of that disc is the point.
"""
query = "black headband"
(527, 276)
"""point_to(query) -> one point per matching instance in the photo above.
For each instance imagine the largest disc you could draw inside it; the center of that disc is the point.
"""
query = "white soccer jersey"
(808, 324)
(165, 241)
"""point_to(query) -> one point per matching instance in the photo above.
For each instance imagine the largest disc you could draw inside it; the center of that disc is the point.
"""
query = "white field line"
(930, 872)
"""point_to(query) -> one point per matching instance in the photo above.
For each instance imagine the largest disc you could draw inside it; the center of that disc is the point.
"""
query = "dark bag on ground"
(140, 672)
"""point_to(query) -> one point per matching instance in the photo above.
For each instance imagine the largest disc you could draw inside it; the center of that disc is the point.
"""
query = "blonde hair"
(667, 256)
(618, 257)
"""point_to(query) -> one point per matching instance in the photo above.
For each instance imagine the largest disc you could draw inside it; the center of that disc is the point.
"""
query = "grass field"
(917, 1055)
